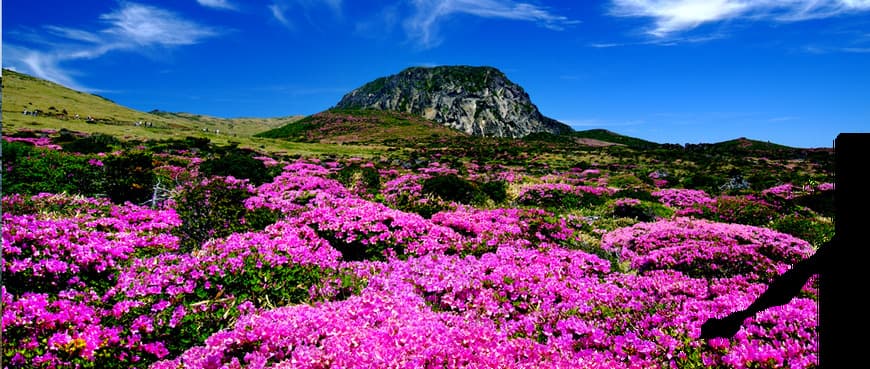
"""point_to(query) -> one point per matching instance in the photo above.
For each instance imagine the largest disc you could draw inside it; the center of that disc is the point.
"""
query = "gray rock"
(480, 101)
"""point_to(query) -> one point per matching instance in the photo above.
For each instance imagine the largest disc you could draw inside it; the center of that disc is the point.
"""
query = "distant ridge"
(479, 101)
(612, 137)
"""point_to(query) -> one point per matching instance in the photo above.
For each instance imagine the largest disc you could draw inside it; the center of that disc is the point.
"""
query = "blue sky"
(795, 72)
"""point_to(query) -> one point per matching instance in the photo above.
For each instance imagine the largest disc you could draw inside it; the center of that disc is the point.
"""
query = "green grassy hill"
(746, 144)
(59, 106)
(359, 126)
(615, 138)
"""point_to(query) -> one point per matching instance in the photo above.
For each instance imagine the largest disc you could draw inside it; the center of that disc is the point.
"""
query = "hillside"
(604, 136)
(62, 107)
(746, 144)
(479, 101)
(355, 125)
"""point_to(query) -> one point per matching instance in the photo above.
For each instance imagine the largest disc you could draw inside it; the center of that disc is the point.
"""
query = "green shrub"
(495, 190)
(808, 229)
(701, 181)
(560, 199)
(644, 211)
(739, 209)
(452, 188)
(355, 176)
(238, 164)
(635, 193)
(130, 177)
(624, 181)
(28, 170)
(425, 207)
(216, 209)
(821, 202)
(92, 144)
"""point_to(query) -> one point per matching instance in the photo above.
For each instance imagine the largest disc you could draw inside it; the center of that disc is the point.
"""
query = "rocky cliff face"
(480, 101)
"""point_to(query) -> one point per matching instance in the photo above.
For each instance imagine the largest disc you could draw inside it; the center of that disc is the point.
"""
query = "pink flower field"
(342, 279)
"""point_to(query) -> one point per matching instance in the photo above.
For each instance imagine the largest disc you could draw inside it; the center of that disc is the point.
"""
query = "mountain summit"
(480, 101)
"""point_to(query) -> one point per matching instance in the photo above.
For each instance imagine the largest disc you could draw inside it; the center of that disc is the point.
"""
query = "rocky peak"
(479, 101)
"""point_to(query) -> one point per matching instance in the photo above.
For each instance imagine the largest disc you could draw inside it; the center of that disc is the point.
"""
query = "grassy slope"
(352, 125)
(608, 136)
(21, 91)
(743, 143)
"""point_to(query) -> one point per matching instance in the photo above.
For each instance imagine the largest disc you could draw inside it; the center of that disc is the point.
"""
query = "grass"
(612, 137)
(21, 91)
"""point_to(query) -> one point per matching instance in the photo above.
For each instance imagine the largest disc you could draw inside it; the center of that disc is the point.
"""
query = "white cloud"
(304, 8)
(148, 26)
(860, 50)
(278, 14)
(674, 16)
(815, 49)
(217, 4)
(423, 25)
(73, 34)
(132, 27)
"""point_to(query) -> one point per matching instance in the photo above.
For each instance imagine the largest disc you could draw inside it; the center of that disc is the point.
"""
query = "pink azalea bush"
(343, 281)
(42, 142)
(706, 249)
(686, 201)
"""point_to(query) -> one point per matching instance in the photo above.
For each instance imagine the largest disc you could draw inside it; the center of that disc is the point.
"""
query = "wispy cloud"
(280, 9)
(815, 49)
(277, 11)
(605, 45)
(142, 25)
(668, 41)
(423, 25)
(217, 4)
(132, 28)
(674, 16)
(783, 119)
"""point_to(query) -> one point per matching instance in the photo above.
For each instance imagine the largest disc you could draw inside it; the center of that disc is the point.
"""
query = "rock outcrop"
(480, 101)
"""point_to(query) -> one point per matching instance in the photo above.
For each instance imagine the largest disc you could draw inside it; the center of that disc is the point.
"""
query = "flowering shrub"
(204, 291)
(53, 251)
(488, 230)
(292, 189)
(364, 230)
(785, 191)
(58, 263)
(42, 142)
(406, 193)
(684, 200)
(705, 249)
(562, 196)
(327, 277)
(515, 308)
